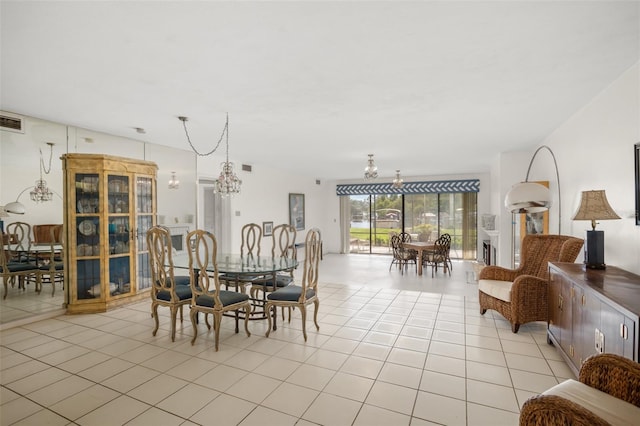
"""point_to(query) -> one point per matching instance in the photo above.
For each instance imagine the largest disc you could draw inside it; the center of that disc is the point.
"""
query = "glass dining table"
(244, 269)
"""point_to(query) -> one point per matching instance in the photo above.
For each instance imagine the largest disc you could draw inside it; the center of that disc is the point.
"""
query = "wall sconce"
(594, 206)
(174, 183)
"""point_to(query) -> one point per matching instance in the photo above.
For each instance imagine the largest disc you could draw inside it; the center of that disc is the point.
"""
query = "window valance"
(436, 186)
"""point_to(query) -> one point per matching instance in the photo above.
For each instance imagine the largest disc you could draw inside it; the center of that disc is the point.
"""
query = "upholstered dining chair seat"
(227, 298)
(19, 267)
(281, 281)
(290, 293)
(182, 291)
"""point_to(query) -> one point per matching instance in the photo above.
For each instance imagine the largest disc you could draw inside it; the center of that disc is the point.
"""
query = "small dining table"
(244, 268)
(421, 248)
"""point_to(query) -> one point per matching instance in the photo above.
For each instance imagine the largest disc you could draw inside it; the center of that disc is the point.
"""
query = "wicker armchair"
(608, 393)
(521, 295)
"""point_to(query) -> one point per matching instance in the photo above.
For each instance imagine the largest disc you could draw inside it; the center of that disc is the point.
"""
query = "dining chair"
(446, 238)
(21, 235)
(249, 246)
(283, 245)
(401, 256)
(52, 269)
(207, 296)
(42, 233)
(299, 296)
(12, 270)
(438, 256)
(166, 289)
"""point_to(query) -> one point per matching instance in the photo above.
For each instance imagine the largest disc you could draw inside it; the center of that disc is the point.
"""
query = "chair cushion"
(498, 289)
(281, 281)
(183, 280)
(609, 408)
(20, 266)
(182, 291)
(226, 298)
(290, 293)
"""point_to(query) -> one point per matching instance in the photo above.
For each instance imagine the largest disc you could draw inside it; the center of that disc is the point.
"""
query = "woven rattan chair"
(608, 393)
(205, 286)
(439, 255)
(521, 295)
(166, 289)
(299, 296)
(402, 256)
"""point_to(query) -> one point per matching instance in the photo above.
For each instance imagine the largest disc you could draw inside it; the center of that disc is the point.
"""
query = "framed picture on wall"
(296, 211)
(267, 229)
(636, 149)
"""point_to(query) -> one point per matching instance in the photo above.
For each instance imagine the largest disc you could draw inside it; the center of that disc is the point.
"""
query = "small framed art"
(267, 229)
(296, 211)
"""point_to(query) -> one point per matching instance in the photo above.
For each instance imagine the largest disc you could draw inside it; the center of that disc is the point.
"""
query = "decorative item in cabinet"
(109, 200)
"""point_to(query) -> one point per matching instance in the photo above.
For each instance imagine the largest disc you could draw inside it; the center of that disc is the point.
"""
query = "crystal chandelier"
(371, 171)
(397, 181)
(228, 182)
(174, 183)
(40, 192)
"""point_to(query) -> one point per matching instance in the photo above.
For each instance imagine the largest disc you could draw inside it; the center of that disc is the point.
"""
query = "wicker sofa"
(607, 393)
(521, 295)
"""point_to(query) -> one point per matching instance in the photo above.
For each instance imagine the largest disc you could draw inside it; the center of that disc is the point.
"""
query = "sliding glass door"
(374, 218)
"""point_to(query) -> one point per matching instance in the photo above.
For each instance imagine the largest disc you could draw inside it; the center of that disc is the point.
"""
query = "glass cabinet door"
(87, 232)
(120, 234)
(144, 221)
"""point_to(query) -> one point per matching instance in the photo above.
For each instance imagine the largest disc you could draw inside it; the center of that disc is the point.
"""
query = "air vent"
(11, 123)
(246, 168)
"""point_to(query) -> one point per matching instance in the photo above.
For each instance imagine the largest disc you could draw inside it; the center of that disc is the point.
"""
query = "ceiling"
(428, 87)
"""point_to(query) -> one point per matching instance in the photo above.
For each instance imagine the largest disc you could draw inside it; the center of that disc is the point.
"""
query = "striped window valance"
(436, 186)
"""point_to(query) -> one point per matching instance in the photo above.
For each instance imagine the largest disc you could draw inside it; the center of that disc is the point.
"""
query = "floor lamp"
(531, 197)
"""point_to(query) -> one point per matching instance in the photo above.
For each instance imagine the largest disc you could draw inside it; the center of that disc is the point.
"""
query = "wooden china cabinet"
(110, 203)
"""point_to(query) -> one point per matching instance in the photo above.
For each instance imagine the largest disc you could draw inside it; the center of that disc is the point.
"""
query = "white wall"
(596, 146)
(264, 197)
(19, 167)
(594, 150)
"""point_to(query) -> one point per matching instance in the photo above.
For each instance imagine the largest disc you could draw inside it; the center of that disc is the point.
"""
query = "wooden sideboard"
(593, 311)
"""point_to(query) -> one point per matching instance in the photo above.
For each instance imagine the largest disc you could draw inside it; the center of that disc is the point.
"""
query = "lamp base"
(594, 250)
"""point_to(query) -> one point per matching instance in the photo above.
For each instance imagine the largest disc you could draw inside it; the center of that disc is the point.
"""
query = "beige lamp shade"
(528, 197)
(16, 208)
(594, 206)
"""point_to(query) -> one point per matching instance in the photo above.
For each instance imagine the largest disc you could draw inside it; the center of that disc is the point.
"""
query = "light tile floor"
(392, 350)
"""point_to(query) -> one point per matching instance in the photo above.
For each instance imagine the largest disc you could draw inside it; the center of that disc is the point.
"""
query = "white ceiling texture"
(428, 87)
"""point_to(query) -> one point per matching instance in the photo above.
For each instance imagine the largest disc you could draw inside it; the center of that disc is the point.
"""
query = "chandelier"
(228, 182)
(174, 183)
(40, 192)
(371, 171)
(398, 182)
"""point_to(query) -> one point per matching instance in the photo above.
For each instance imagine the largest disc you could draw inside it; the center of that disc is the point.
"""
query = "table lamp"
(594, 206)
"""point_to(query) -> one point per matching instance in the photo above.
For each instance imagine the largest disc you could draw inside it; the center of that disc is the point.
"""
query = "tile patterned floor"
(392, 350)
